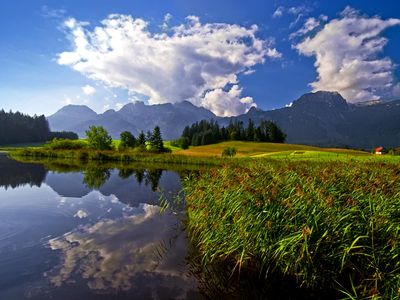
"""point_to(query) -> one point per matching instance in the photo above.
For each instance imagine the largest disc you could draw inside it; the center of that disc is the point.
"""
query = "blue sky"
(35, 77)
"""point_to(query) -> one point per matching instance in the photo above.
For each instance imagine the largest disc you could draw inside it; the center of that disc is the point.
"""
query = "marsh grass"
(328, 224)
(126, 157)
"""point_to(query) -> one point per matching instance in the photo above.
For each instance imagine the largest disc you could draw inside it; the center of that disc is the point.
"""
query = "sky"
(224, 55)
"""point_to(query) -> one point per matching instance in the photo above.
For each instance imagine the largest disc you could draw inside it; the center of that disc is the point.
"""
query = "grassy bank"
(327, 224)
(84, 155)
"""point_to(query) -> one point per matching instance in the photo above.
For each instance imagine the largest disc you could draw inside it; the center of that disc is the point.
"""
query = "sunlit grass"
(327, 223)
(245, 149)
(167, 144)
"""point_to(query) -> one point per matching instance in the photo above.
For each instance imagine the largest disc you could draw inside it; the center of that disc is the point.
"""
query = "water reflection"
(117, 254)
(14, 174)
(76, 232)
(94, 178)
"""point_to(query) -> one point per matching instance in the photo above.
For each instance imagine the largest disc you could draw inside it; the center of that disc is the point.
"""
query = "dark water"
(92, 234)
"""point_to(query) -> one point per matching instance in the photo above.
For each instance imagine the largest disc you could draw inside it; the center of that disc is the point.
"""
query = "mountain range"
(320, 119)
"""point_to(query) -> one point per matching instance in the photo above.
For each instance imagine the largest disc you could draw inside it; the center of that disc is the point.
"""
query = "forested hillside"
(18, 128)
(205, 132)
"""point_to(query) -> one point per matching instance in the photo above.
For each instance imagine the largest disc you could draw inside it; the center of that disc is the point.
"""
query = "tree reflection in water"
(14, 174)
(94, 178)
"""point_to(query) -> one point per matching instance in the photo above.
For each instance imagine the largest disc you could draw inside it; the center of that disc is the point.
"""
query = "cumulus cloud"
(219, 100)
(88, 90)
(347, 56)
(191, 61)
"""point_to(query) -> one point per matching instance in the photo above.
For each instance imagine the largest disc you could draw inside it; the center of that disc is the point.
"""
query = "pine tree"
(250, 131)
(156, 141)
(141, 141)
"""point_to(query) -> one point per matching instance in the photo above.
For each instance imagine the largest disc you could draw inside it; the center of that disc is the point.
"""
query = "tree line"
(151, 141)
(97, 138)
(209, 132)
(16, 128)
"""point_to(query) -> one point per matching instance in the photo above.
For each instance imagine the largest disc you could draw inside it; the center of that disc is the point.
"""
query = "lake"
(96, 233)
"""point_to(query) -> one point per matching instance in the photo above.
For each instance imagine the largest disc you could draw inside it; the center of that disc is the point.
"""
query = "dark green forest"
(205, 132)
(18, 128)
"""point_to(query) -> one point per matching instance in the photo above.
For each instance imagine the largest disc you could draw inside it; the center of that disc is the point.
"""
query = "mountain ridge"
(319, 118)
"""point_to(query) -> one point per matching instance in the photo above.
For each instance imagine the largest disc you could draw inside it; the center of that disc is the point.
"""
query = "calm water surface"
(91, 234)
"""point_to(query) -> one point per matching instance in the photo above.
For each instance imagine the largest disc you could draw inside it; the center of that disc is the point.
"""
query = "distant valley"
(321, 119)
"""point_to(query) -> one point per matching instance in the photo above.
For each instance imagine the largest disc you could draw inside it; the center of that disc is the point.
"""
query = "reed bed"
(333, 225)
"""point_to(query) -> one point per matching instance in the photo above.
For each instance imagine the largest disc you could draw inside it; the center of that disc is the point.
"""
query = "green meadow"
(326, 219)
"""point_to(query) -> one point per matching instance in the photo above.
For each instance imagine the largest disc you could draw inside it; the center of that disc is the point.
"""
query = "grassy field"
(246, 149)
(328, 224)
(203, 154)
(329, 218)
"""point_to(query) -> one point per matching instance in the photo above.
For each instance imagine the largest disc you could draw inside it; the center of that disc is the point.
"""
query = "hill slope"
(254, 149)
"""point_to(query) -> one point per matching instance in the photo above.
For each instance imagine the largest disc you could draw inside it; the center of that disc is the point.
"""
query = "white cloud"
(119, 105)
(323, 18)
(310, 24)
(88, 90)
(346, 52)
(278, 12)
(67, 100)
(298, 11)
(48, 12)
(165, 25)
(194, 59)
(228, 103)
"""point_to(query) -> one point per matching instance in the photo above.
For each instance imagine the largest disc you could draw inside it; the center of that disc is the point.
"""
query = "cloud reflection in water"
(122, 254)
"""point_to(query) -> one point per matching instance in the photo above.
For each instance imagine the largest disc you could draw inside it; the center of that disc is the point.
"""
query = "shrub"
(69, 135)
(98, 138)
(66, 144)
(127, 140)
(229, 152)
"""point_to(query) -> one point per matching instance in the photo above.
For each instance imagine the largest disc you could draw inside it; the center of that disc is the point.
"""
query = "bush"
(229, 152)
(127, 140)
(68, 135)
(66, 144)
(98, 138)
